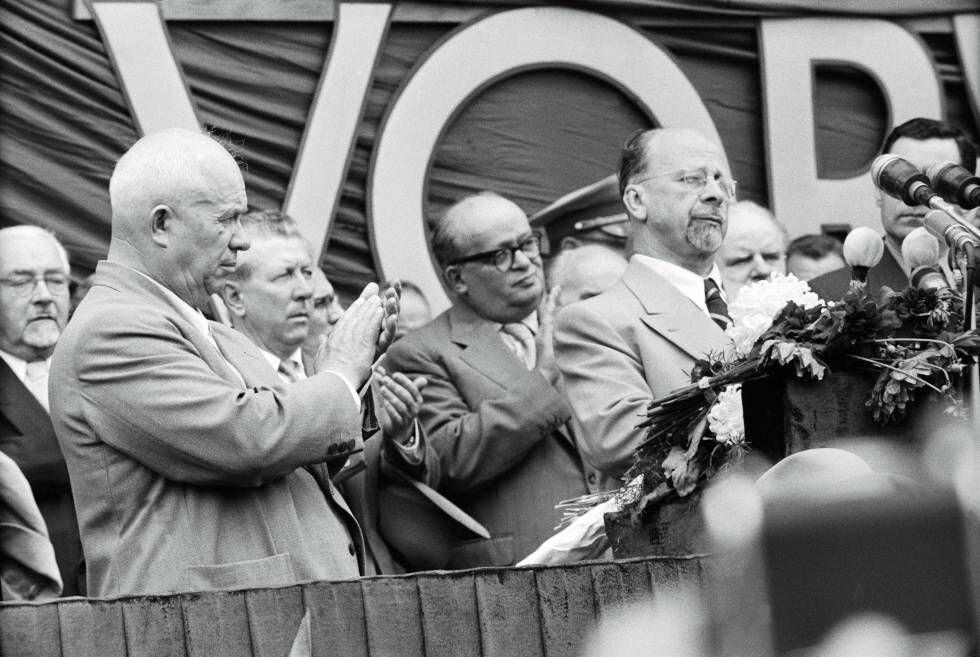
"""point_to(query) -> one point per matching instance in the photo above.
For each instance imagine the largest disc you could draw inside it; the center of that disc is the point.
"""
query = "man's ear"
(454, 278)
(232, 295)
(161, 222)
(633, 202)
(878, 197)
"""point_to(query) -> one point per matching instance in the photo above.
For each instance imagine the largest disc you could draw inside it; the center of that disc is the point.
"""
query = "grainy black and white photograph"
(456, 328)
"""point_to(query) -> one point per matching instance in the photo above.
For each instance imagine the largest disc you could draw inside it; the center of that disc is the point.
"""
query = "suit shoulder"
(423, 339)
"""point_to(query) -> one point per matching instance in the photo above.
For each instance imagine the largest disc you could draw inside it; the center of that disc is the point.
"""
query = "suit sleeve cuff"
(412, 451)
(350, 388)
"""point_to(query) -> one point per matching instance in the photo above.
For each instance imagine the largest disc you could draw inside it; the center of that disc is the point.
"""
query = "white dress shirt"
(687, 282)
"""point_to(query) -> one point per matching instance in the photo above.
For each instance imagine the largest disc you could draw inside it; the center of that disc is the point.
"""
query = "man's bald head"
(169, 167)
(176, 196)
(585, 271)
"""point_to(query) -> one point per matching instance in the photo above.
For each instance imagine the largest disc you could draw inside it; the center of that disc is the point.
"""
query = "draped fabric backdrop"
(533, 136)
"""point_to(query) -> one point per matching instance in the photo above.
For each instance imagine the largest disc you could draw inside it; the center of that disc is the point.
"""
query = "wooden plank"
(619, 583)
(449, 614)
(92, 628)
(154, 626)
(566, 603)
(216, 624)
(391, 613)
(508, 608)
(274, 618)
(29, 630)
(336, 618)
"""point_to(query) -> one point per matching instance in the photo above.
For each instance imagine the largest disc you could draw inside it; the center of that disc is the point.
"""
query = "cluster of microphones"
(938, 187)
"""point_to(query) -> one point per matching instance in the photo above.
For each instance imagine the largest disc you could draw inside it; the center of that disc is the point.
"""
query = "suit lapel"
(671, 314)
(483, 347)
(238, 352)
(25, 412)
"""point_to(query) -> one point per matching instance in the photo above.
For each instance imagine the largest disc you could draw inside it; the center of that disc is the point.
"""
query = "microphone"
(945, 228)
(921, 251)
(955, 183)
(863, 249)
(901, 179)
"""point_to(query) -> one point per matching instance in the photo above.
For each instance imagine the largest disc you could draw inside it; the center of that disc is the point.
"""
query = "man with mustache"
(637, 341)
(194, 466)
(491, 410)
(34, 303)
(921, 142)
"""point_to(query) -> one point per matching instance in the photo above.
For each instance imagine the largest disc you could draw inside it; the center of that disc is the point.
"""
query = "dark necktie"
(717, 307)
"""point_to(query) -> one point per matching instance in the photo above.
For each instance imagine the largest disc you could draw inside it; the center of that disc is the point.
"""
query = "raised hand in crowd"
(544, 341)
(401, 399)
(390, 301)
(350, 350)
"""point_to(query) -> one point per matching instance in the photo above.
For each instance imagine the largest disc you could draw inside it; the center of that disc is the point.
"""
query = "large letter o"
(509, 41)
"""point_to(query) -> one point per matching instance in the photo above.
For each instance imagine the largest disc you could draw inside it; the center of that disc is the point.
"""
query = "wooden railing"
(507, 612)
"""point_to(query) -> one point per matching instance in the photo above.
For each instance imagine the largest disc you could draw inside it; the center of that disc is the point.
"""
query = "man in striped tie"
(638, 340)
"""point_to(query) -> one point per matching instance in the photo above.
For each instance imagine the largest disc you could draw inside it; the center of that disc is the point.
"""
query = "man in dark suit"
(921, 142)
(491, 410)
(34, 302)
(193, 465)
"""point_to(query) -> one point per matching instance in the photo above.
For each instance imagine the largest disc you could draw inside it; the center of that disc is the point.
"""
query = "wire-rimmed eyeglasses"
(697, 180)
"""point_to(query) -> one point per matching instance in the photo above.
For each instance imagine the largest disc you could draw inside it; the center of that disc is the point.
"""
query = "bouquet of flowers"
(914, 339)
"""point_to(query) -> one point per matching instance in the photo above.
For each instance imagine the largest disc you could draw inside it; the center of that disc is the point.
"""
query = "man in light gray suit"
(638, 341)
(194, 467)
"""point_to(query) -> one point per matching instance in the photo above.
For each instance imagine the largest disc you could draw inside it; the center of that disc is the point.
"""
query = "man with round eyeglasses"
(34, 302)
(637, 341)
(491, 410)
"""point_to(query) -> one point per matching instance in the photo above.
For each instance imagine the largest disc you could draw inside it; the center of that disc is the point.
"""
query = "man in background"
(325, 314)
(754, 247)
(491, 410)
(34, 305)
(637, 341)
(194, 466)
(809, 256)
(921, 142)
(585, 271)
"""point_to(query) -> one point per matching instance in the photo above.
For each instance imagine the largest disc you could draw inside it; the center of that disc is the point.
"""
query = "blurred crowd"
(213, 417)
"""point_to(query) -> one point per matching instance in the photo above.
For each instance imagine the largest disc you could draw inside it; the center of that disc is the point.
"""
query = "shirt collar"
(18, 365)
(531, 321)
(296, 357)
(687, 282)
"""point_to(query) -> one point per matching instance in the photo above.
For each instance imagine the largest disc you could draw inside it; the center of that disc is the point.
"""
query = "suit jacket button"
(331, 449)
(592, 478)
(350, 548)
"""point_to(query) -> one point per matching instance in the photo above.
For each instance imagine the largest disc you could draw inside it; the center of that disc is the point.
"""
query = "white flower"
(725, 417)
(757, 305)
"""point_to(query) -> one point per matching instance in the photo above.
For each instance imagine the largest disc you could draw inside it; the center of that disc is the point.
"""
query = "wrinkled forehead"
(30, 252)
(673, 150)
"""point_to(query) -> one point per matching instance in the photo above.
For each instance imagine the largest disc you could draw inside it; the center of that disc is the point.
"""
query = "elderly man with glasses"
(491, 410)
(34, 301)
(638, 340)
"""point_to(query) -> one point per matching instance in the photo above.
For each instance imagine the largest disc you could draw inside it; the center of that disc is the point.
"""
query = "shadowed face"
(753, 249)
(899, 219)
(34, 298)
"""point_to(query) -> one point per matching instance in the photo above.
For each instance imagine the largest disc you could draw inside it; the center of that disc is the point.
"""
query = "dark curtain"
(533, 136)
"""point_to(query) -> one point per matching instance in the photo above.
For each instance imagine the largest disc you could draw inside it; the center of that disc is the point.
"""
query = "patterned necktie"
(520, 338)
(717, 307)
(290, 370)
(37, 381)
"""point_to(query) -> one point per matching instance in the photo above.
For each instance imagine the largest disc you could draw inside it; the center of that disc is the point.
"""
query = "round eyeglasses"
(503, 258)
(697, 180)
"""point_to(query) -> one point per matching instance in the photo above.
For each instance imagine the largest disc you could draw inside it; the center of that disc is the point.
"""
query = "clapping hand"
(390, 300)
(545, 343)
(351, 347)
(401, 399)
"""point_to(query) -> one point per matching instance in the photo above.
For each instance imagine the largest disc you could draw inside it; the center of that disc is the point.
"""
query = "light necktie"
(521, 342)
(717, 307)
(290, 370)
(37, 381)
